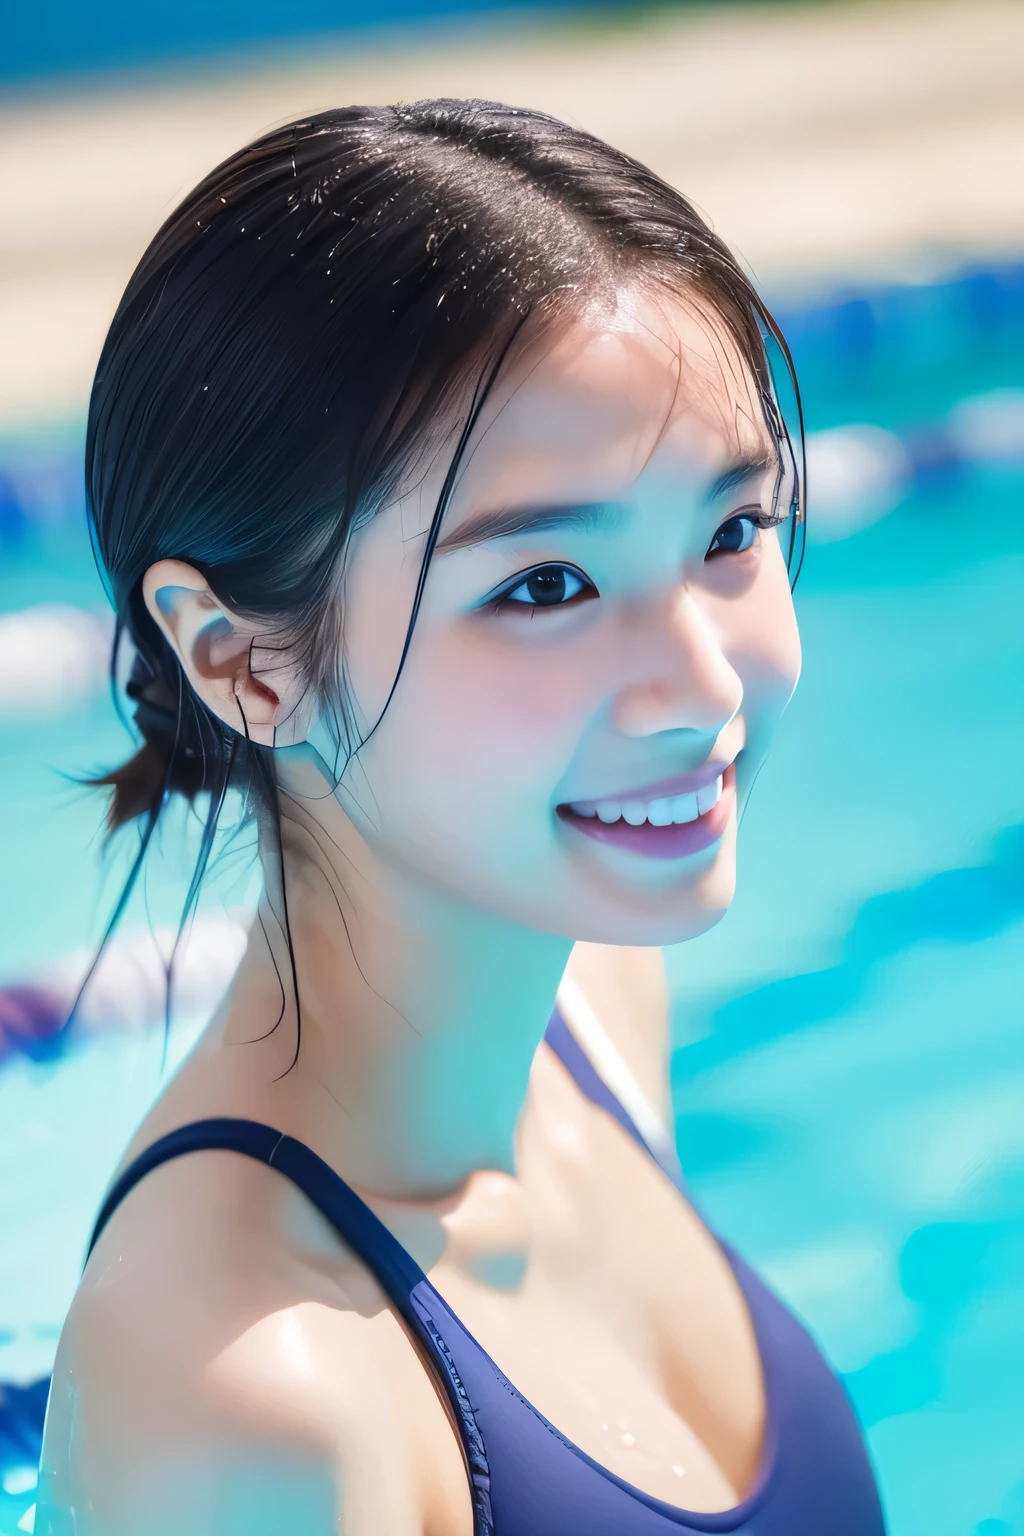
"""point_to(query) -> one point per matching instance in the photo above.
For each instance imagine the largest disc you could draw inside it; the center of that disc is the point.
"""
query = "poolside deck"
(847, 142)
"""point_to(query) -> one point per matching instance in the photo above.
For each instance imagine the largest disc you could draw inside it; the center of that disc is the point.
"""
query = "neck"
(419, 1015)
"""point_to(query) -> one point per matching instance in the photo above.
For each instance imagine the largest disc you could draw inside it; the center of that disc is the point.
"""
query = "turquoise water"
(851, 1096)
(849, 1071)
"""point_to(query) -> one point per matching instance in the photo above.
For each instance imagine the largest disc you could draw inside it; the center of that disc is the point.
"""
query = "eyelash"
(758, 518)
(504, 599)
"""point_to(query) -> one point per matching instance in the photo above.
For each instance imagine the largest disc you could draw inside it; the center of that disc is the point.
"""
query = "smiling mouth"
(670, 827)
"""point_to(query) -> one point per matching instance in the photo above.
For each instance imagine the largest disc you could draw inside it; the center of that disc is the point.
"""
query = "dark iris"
(546, 587)
(733, 537)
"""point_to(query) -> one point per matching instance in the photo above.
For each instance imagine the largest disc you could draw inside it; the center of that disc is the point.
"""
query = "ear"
(220, 654)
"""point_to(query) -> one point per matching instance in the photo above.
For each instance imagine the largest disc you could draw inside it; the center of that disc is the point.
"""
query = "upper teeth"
(674, 809)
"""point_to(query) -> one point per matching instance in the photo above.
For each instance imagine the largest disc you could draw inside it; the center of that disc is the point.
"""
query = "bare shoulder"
(208, 1384)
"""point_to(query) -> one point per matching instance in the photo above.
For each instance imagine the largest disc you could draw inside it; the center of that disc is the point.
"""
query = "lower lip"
(674, 842)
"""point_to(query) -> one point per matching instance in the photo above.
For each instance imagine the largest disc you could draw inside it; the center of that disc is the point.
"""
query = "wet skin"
(603, 613)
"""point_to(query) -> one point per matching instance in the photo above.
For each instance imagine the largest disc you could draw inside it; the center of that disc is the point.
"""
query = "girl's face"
(605, 643)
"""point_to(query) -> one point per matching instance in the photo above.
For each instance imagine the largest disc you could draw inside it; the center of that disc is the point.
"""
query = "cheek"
(480, 721)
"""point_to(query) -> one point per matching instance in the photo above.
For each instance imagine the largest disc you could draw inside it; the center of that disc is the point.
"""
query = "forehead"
(645, 386)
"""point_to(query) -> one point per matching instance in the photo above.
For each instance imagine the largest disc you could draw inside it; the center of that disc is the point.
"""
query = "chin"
(702, 922)
(645, 930)
(675, 902)
(691, 909)
(691, 926)
(662, 922)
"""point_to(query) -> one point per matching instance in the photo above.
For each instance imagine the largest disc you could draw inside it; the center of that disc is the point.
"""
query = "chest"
(605, 1301)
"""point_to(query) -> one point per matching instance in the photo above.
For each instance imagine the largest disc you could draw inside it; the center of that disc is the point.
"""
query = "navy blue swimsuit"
(527, 1479)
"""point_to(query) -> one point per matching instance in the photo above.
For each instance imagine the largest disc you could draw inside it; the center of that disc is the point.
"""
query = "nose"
(688, 682)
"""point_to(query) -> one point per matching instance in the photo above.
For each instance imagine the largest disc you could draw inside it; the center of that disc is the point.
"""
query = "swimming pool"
(849, 1072)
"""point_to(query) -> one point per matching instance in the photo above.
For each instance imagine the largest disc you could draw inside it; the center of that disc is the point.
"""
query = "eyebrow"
(586, 517)
(738, 473)
(504, 522)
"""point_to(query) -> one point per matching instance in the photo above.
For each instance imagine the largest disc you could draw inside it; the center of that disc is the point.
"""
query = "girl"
(440, 481)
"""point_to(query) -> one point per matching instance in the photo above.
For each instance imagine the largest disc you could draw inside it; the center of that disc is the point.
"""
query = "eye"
(547, 586)
(737, 535)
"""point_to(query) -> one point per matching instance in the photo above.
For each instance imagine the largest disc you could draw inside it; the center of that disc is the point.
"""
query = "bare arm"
(135, 1447)
(160, 1426)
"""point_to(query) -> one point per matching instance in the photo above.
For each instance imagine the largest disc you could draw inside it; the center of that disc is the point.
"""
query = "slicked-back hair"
(330, 301)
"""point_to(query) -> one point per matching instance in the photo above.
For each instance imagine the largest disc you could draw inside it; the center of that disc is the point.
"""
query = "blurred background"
(849, 1062)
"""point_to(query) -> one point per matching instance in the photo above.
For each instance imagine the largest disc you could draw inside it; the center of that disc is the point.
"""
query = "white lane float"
(989, 428)
(856, 475)
(52, 658)
(127, 992)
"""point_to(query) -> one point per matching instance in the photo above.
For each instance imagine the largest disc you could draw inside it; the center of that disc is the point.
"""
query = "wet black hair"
(330, 301)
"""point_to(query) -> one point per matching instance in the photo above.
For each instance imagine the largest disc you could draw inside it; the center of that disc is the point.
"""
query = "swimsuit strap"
(340, 1204)
(400, 1277)
(362, 1230)
(592, 1085)
(542, 1484)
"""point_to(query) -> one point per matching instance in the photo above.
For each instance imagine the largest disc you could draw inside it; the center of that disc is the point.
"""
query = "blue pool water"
(849, 1071)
